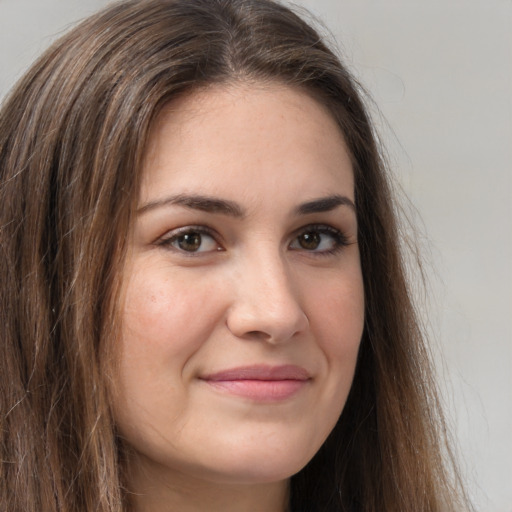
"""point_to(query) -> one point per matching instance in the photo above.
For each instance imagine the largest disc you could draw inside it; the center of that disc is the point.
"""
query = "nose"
(267, 305)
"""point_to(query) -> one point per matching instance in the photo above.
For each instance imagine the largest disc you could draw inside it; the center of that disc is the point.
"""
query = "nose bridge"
(272, 281)
(267, 300)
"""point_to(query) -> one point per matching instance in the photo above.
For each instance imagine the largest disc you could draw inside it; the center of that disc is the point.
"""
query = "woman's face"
(243, 295)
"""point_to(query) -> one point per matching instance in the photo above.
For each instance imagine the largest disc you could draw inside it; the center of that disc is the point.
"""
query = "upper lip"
(260, 372)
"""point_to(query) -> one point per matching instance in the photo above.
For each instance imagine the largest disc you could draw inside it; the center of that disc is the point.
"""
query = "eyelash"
(339, 239)
(170, 238)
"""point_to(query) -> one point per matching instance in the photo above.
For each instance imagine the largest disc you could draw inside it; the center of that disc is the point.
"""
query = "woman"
(203, 299)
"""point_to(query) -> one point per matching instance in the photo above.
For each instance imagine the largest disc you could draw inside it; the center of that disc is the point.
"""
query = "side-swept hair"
(73, 134)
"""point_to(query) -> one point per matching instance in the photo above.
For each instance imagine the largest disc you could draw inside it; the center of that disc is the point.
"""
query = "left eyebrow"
(324, 204)
(197, 202)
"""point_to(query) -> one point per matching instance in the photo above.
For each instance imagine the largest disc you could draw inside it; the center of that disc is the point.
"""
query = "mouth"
(260, 383)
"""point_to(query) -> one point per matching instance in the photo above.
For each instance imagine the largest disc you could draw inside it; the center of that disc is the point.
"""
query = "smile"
(260, 383)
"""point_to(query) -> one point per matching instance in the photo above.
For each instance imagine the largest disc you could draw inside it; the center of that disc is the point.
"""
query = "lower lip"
(260, 390)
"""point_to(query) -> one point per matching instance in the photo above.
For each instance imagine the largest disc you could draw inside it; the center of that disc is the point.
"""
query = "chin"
(259, 468)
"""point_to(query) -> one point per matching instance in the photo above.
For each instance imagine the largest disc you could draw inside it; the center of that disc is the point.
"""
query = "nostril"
(257, 334)
(273, 321)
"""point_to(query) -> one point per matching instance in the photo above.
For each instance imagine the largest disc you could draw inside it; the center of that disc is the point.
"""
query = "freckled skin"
(254, 293)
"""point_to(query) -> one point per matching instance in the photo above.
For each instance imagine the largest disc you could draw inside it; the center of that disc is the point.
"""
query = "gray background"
(441, 74)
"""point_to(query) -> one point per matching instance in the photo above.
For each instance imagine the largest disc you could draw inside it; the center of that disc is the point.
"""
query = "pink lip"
(260, 382)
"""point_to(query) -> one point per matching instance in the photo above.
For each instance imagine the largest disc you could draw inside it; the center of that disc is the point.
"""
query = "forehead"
(245, 135)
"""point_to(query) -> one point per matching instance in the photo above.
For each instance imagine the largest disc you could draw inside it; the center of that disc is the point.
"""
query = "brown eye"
(309, 241)
(190, 242)
(319, 239)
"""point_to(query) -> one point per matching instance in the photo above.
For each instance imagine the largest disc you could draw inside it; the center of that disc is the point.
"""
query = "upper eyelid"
(318, 226)
(209, 231)
(169, 236)
(202, 229)
(168, 240)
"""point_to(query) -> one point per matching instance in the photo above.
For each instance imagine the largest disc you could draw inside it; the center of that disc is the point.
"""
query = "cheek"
(161, 311)
(167, 317)
(337, 314)
(337, 322)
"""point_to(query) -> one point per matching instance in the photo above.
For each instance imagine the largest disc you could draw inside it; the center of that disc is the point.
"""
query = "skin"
(248, 279)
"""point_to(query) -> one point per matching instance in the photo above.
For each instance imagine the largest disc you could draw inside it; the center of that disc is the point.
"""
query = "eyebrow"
(233, 209)
(197, 202)
(325, 204)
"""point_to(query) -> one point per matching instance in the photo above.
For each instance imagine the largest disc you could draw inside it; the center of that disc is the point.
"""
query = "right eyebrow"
(325, 204)
(197, 202)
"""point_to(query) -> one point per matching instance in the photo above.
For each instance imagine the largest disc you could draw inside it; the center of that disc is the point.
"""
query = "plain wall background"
(441, 74)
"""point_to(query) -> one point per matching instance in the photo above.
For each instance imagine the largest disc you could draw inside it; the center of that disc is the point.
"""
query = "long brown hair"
(72, 139)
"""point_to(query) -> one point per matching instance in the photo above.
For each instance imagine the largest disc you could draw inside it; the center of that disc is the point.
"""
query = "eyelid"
(170, 236)
(341, 240)
(166, 241)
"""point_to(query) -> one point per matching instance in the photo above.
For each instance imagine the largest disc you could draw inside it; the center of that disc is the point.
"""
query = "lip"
(260, 383)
